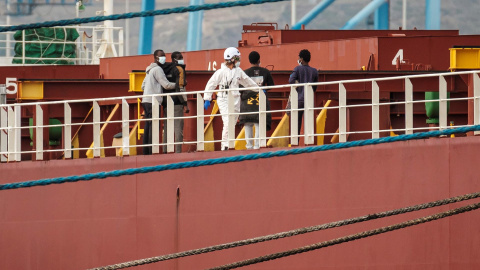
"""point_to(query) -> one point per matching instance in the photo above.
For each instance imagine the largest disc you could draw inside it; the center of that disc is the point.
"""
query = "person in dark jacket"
(175, 72)
(303, 73)
(250, 100)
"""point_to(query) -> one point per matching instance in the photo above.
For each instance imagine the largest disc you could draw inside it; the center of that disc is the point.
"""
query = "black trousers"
(300, 116)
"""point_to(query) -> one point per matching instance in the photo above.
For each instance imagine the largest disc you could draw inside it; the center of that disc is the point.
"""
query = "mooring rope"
(130, 15)
(239, 158)
(351, 237)
(291, 233)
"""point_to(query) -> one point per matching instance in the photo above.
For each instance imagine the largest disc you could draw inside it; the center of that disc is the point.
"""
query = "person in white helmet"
(229, 76)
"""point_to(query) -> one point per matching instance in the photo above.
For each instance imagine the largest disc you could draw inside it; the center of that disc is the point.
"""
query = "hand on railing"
(206, 104)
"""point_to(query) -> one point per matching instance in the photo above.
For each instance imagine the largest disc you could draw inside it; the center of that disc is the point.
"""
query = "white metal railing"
(10, 115)
(90, 45)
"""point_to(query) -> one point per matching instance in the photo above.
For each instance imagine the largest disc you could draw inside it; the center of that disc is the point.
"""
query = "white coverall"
(231, 78)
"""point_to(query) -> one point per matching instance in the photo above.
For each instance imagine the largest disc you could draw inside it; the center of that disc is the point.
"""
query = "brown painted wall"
(100, 222)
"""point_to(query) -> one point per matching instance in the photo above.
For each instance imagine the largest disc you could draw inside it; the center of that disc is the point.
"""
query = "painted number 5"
(398, 56)
(11, 85)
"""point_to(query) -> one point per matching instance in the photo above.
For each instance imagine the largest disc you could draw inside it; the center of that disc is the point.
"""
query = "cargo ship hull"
(106, 221)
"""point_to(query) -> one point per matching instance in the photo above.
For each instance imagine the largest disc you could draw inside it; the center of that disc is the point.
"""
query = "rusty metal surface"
(50, 72)
(426, 50)
(294, 36)
(376, 53)
(101, 222)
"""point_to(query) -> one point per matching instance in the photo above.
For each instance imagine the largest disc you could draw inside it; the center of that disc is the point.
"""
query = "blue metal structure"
(194, 35)
(146, 29)
(362, 14)
(312, 14)
(382, 16)
(432, 14)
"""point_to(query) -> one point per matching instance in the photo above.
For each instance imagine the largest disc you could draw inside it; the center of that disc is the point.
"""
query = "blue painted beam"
(19, 10)
(363, 14)
(312, 14)
(432, 14)
(382, 17)
(146, 29)
(194, 34)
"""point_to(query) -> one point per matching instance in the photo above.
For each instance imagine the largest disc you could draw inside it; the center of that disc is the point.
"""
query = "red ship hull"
(101, 222)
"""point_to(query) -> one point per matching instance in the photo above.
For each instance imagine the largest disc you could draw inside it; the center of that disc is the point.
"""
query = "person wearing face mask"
(175, 72)
(229, 76)
(154, 83)
(303, 73)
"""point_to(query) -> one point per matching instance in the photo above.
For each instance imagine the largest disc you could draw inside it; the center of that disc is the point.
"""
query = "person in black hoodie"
(175, 72)
(250, 100)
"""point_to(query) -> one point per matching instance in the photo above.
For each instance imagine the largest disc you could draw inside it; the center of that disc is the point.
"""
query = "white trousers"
(223, 107)
(249, 134)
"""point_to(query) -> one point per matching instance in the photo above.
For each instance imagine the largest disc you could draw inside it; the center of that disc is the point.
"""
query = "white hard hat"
(230, 52)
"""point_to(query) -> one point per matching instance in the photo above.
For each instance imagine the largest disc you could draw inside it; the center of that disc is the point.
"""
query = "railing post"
(67, 129)
(309, 119)
(18, 133)
(38, 132)
(11, 134)
(294, 116)
(231, 120)
(155, 125)
(375, 110)
(442, 110)
(96, 130)
(3, 133)
(262, 118)
(476, 100)
(94, 44)
(342, 113)
(23, 47)
(200, 123)
(408, 106)
(170, 124)
(125, 128)
(14, 132)
(121, 50)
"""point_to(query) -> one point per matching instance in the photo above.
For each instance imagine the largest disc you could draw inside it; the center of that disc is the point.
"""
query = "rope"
(130, 15)
(224, 160)
(351, 237)
(290, 233)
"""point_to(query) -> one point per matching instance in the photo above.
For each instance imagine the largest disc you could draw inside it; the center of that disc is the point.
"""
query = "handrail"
(85, 50)
(13, 127)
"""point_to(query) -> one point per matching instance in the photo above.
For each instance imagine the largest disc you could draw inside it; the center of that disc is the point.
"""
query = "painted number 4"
(398, 56)
(11, 85)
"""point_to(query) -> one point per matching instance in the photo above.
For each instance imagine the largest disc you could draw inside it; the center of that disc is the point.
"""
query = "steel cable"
(291, 232)
(351, 237)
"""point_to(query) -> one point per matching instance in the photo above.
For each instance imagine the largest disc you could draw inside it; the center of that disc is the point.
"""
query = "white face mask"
(181, 62)
(237, 64)
(162, 59)
(299, 62)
